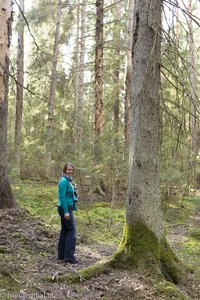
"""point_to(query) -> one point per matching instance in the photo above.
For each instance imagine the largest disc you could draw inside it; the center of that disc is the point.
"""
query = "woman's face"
(69, 171)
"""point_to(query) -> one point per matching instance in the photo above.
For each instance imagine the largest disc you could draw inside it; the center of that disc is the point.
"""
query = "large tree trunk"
(6, 196)
(143, 198)
(19, 95)
(51, 103)
(98, 79)
(128, 73)
(143, 240)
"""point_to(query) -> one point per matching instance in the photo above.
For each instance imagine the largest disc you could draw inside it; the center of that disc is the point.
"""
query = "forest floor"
(28, 255)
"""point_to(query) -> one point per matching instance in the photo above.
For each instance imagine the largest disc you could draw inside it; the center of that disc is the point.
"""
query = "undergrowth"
(98, 222)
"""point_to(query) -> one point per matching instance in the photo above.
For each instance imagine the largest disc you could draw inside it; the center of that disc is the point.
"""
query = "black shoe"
(72, 261)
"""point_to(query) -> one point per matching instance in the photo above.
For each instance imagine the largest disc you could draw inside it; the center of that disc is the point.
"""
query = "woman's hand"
(67, 216)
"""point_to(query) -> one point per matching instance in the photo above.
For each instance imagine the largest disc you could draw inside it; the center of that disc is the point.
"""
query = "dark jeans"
(67, 239)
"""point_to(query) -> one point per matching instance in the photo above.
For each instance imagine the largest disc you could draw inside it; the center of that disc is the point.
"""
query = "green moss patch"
(102, 267)
(8, 282)
(101, 224)
(190, 252)
(140, 247)
(95, 270)
(171, 266)
(179, 212)
(170, 290)
(139, 244)
(40, 198)
(195, 233)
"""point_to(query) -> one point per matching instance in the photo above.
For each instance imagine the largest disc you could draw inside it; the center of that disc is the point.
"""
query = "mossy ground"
(41, 201)
(29, 243)
(171, 290)
(140, 248)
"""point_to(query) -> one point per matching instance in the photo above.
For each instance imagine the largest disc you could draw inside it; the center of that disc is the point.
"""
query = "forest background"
(65, 126)
(70, 69)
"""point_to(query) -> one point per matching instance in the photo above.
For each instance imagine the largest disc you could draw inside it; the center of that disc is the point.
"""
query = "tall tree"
(6, 196)
(77, 69)
(128, 72)
(193, 82)
(51, 103)
(81, 75)
(143, 233)
(19, 94)
(98, 78)
(116, 84)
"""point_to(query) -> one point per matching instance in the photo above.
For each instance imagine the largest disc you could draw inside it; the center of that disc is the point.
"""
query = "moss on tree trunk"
(141, 248)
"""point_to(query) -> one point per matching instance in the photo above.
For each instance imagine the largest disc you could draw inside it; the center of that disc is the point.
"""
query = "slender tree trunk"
(81, 78)
(19, 94)
(98, 78)
(77, 70)
(6, 196)
(192, 82)
(177, 24)
(116, 85)
(116, 92)
(143, 241)
(176, 70)
(128, 73)
(52, 92)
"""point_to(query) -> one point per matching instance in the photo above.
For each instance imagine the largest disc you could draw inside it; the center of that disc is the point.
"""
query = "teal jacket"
(65, 194)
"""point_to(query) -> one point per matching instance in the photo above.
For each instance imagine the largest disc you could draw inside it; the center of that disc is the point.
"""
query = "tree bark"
(77, 70)
(51, 103)
(6, 196)
(193, 83)
(116, 85)
(98, 78)
(19, 94)
(81, 79)
(143, 241)
(128, 73)
(143, 198)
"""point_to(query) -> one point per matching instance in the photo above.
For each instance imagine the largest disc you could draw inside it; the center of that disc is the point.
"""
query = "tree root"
(140, 249)
(102, 267)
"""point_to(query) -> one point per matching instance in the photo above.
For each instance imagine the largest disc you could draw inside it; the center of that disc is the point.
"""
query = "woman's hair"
(66, 166)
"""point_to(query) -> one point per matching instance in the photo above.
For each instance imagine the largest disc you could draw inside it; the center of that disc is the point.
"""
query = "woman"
(66, 206)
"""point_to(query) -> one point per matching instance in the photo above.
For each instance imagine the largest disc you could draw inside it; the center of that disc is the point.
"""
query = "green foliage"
(177, 168)
(41, 18)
